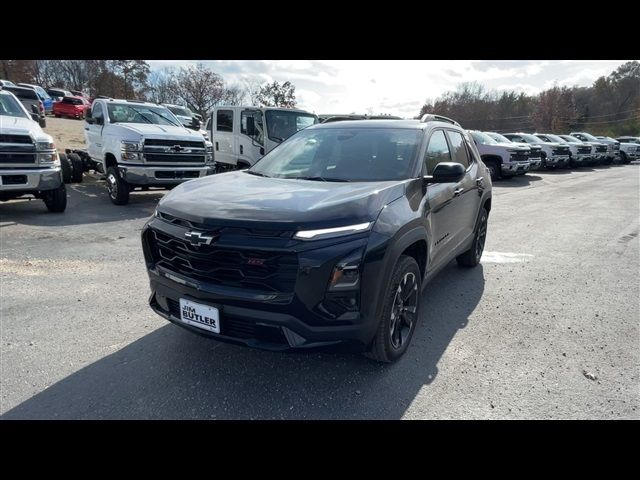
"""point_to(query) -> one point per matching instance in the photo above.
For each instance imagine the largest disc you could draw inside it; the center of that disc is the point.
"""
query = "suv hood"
(159, 130)
(512, 146)
(238, 198)
(22, 126)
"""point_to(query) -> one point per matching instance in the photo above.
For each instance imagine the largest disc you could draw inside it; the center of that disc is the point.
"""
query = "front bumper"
(296, 318)
(557, 160)
(535, 163)
(515, 168)
(161, 175)
(30, 179)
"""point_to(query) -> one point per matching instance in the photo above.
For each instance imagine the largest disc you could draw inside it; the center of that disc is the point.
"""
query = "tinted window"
(225, 121)
(458, 148)
(437, 151)
(257, 122)
(23, 93)
(72, 101)
(281, 124)
(97, 111)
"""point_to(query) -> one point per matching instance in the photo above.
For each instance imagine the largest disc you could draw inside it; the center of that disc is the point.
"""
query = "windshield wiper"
(257, 173)
(321, 179)
(156, 114)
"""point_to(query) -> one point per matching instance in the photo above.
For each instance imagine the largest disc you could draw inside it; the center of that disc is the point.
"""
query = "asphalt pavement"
(546, 328)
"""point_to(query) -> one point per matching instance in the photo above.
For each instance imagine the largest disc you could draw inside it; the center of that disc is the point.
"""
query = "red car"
(75, 107)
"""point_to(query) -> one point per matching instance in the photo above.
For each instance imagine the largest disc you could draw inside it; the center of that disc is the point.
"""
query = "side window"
(224, 121)
(97, 111)
(458, 148)
(515, 138)
(437, 151)
(258, 129)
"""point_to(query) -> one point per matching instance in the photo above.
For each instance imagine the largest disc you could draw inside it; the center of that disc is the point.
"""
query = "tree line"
(610, 107)
(195, 86)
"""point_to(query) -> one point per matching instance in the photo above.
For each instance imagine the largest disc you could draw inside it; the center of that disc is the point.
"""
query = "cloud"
(398, 87)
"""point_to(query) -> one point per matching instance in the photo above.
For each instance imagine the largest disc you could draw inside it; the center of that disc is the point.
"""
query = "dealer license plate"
(201, 316)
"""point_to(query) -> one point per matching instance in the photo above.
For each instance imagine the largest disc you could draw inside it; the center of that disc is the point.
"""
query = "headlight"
(45, 146)
(346, 273)
(332, 232)
(129, 146)
(49, 158)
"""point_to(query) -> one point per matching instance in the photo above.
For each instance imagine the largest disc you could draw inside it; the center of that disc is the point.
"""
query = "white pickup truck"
(29, 161)
(140, 144)
(243, 135)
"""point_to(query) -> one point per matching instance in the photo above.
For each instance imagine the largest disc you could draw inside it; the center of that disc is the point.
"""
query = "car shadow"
(174, 374)
(87, 202)
(517, 181)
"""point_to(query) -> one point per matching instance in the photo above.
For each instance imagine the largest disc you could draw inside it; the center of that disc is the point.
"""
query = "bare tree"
(200, 88)
(162, 86)
(277, 95)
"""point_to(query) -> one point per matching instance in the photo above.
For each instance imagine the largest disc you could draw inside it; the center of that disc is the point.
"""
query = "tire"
(43, 123)
(394, 334)
(56, 200)
(623, 158)
(66, 167)
(492, 166)
(471, 257)
(118, 189)
(78, 167)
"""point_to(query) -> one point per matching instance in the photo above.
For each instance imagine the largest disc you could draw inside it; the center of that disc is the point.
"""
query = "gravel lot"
(547, 327)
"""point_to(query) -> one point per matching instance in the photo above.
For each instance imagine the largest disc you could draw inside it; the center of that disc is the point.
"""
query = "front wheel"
(471, 257)
(492, 166)
(66, 167)
(400, 312)
(56, 200)
(117, 187)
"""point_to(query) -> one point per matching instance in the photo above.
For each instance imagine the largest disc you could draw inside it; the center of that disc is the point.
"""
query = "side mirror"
(251, 127)
(35, 117)
(98, 120)
(34, 109)
(446, 172)
(90, 120)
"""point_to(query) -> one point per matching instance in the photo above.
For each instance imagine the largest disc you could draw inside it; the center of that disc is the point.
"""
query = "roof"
(121, 100)
(413, 124)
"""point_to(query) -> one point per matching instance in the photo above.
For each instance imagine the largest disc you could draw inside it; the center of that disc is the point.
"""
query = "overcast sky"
(399, 87)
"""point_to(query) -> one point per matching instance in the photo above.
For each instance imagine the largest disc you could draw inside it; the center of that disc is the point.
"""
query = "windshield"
(43, 93)
(530, 138)
(121, 113)
(555, 138)
(590, 138)
(73, 101)
(23, 92)
(497, 137)
(281, 124)
(483, 138)
(569, 138)
(185, 112)
(343, 155)
(10, 107)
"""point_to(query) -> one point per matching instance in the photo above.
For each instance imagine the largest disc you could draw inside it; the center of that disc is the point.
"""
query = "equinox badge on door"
(198, 238)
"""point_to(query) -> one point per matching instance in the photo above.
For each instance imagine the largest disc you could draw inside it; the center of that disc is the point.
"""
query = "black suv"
(329, 238)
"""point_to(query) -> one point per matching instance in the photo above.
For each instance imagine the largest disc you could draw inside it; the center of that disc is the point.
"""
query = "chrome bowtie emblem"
(176, 148)
(198, 238)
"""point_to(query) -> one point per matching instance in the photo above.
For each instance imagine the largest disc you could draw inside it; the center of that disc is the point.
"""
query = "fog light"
(346, 273)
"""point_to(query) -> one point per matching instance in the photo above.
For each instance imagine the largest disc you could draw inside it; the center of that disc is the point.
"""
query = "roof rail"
(429, 117)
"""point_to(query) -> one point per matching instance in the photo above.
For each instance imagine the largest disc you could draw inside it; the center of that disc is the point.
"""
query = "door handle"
(456, 193)
(217, 146)
(241, 150)
(86, 128)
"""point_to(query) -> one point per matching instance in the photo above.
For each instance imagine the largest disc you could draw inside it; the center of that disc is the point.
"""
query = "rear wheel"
(118, 189)
(400, 312)
(78, 167)
(66, 167)
(624, 158)
(56, 200)
(471, 257)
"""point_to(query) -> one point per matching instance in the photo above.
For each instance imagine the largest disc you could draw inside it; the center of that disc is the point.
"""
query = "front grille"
(561, 151)
(7, 138)
(6, 157)
(163, 174)
(156, 142)
(250, 232)
(616, 147)
(257, 270)
(601, 149)
(519, 156)
(584, 150)
(239, 327)
(173, 158)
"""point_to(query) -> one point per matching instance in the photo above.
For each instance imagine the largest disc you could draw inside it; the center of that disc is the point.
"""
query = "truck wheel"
(624, 158)
(492, 166)
(43, 122)
(471, 257)
(56, 200)
(66, 167)
(117, 187)
(400, 312)
(78, 167)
